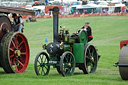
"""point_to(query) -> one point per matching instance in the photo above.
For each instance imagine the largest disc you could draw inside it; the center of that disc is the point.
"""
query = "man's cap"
(14, 14)
(86, 22)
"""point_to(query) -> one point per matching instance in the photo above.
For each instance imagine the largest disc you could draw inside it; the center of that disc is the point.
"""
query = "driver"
(87, 28)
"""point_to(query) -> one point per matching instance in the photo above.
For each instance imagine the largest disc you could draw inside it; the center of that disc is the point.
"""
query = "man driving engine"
(87, 28)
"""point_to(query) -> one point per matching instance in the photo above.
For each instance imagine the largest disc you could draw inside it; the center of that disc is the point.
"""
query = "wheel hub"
(92, 59)
(69, 64)
(42, 64)
(17, 53)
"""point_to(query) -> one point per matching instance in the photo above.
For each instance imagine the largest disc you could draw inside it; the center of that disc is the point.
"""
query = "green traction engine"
(66, 52)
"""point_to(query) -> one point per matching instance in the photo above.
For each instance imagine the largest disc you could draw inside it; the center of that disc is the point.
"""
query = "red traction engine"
(14, 48)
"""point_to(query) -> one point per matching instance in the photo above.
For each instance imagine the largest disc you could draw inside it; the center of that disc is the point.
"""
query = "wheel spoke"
(38, 65)
(65, 65)
(91, 68)
(20, 43)
(11, 49)
(88, 63)
(94, 63)
(39, 69)
(21, 63)
(93, 51)
(16, 41)
(45, 60)
(87, 57)
(65, 69)
(92, 54)
(87, 54)
(38, 61)
(20, 48)
(70, 59)
(24, 53)
(43, 70)
(13, 60)
(16, 67)
(66, 59)
(13, 44)
(41, 58)
(69, 69)
(89, 51)
(46, 67)
(11, 56)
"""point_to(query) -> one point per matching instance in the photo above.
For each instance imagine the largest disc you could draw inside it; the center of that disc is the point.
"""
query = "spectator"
(17, 23)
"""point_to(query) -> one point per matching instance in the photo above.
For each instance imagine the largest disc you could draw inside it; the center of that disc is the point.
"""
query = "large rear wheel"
(14, 52)
(90, 59)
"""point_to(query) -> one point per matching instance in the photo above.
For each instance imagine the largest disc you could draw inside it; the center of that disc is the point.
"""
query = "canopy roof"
(17, 10)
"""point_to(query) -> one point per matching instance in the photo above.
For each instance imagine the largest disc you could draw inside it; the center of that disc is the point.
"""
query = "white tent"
(63, 0)
(69, 0)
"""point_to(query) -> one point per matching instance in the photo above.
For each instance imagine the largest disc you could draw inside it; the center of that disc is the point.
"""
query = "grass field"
(108, 31)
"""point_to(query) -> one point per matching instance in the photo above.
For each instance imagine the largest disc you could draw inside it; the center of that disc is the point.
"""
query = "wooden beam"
(17, 10)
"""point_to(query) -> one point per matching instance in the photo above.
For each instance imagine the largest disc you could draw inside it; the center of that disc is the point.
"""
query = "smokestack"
(55, 23)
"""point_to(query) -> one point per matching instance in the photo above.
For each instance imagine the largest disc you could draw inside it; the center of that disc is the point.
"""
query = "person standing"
(46, 1)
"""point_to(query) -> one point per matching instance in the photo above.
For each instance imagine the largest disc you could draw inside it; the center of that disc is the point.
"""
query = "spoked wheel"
(41, 64)
(90, 59)
(14, 52)
(67, 64)
(123, 59)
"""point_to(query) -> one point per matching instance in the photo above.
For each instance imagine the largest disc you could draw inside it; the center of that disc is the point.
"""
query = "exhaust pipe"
(55, 12)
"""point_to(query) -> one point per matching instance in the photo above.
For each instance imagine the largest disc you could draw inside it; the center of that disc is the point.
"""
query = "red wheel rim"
(19, 52)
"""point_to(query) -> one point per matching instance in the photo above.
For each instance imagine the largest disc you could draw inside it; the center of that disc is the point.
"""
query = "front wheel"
(67, 64)
(41, 64)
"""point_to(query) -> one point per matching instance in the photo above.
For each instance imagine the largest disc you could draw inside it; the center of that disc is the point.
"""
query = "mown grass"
(108, 31)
